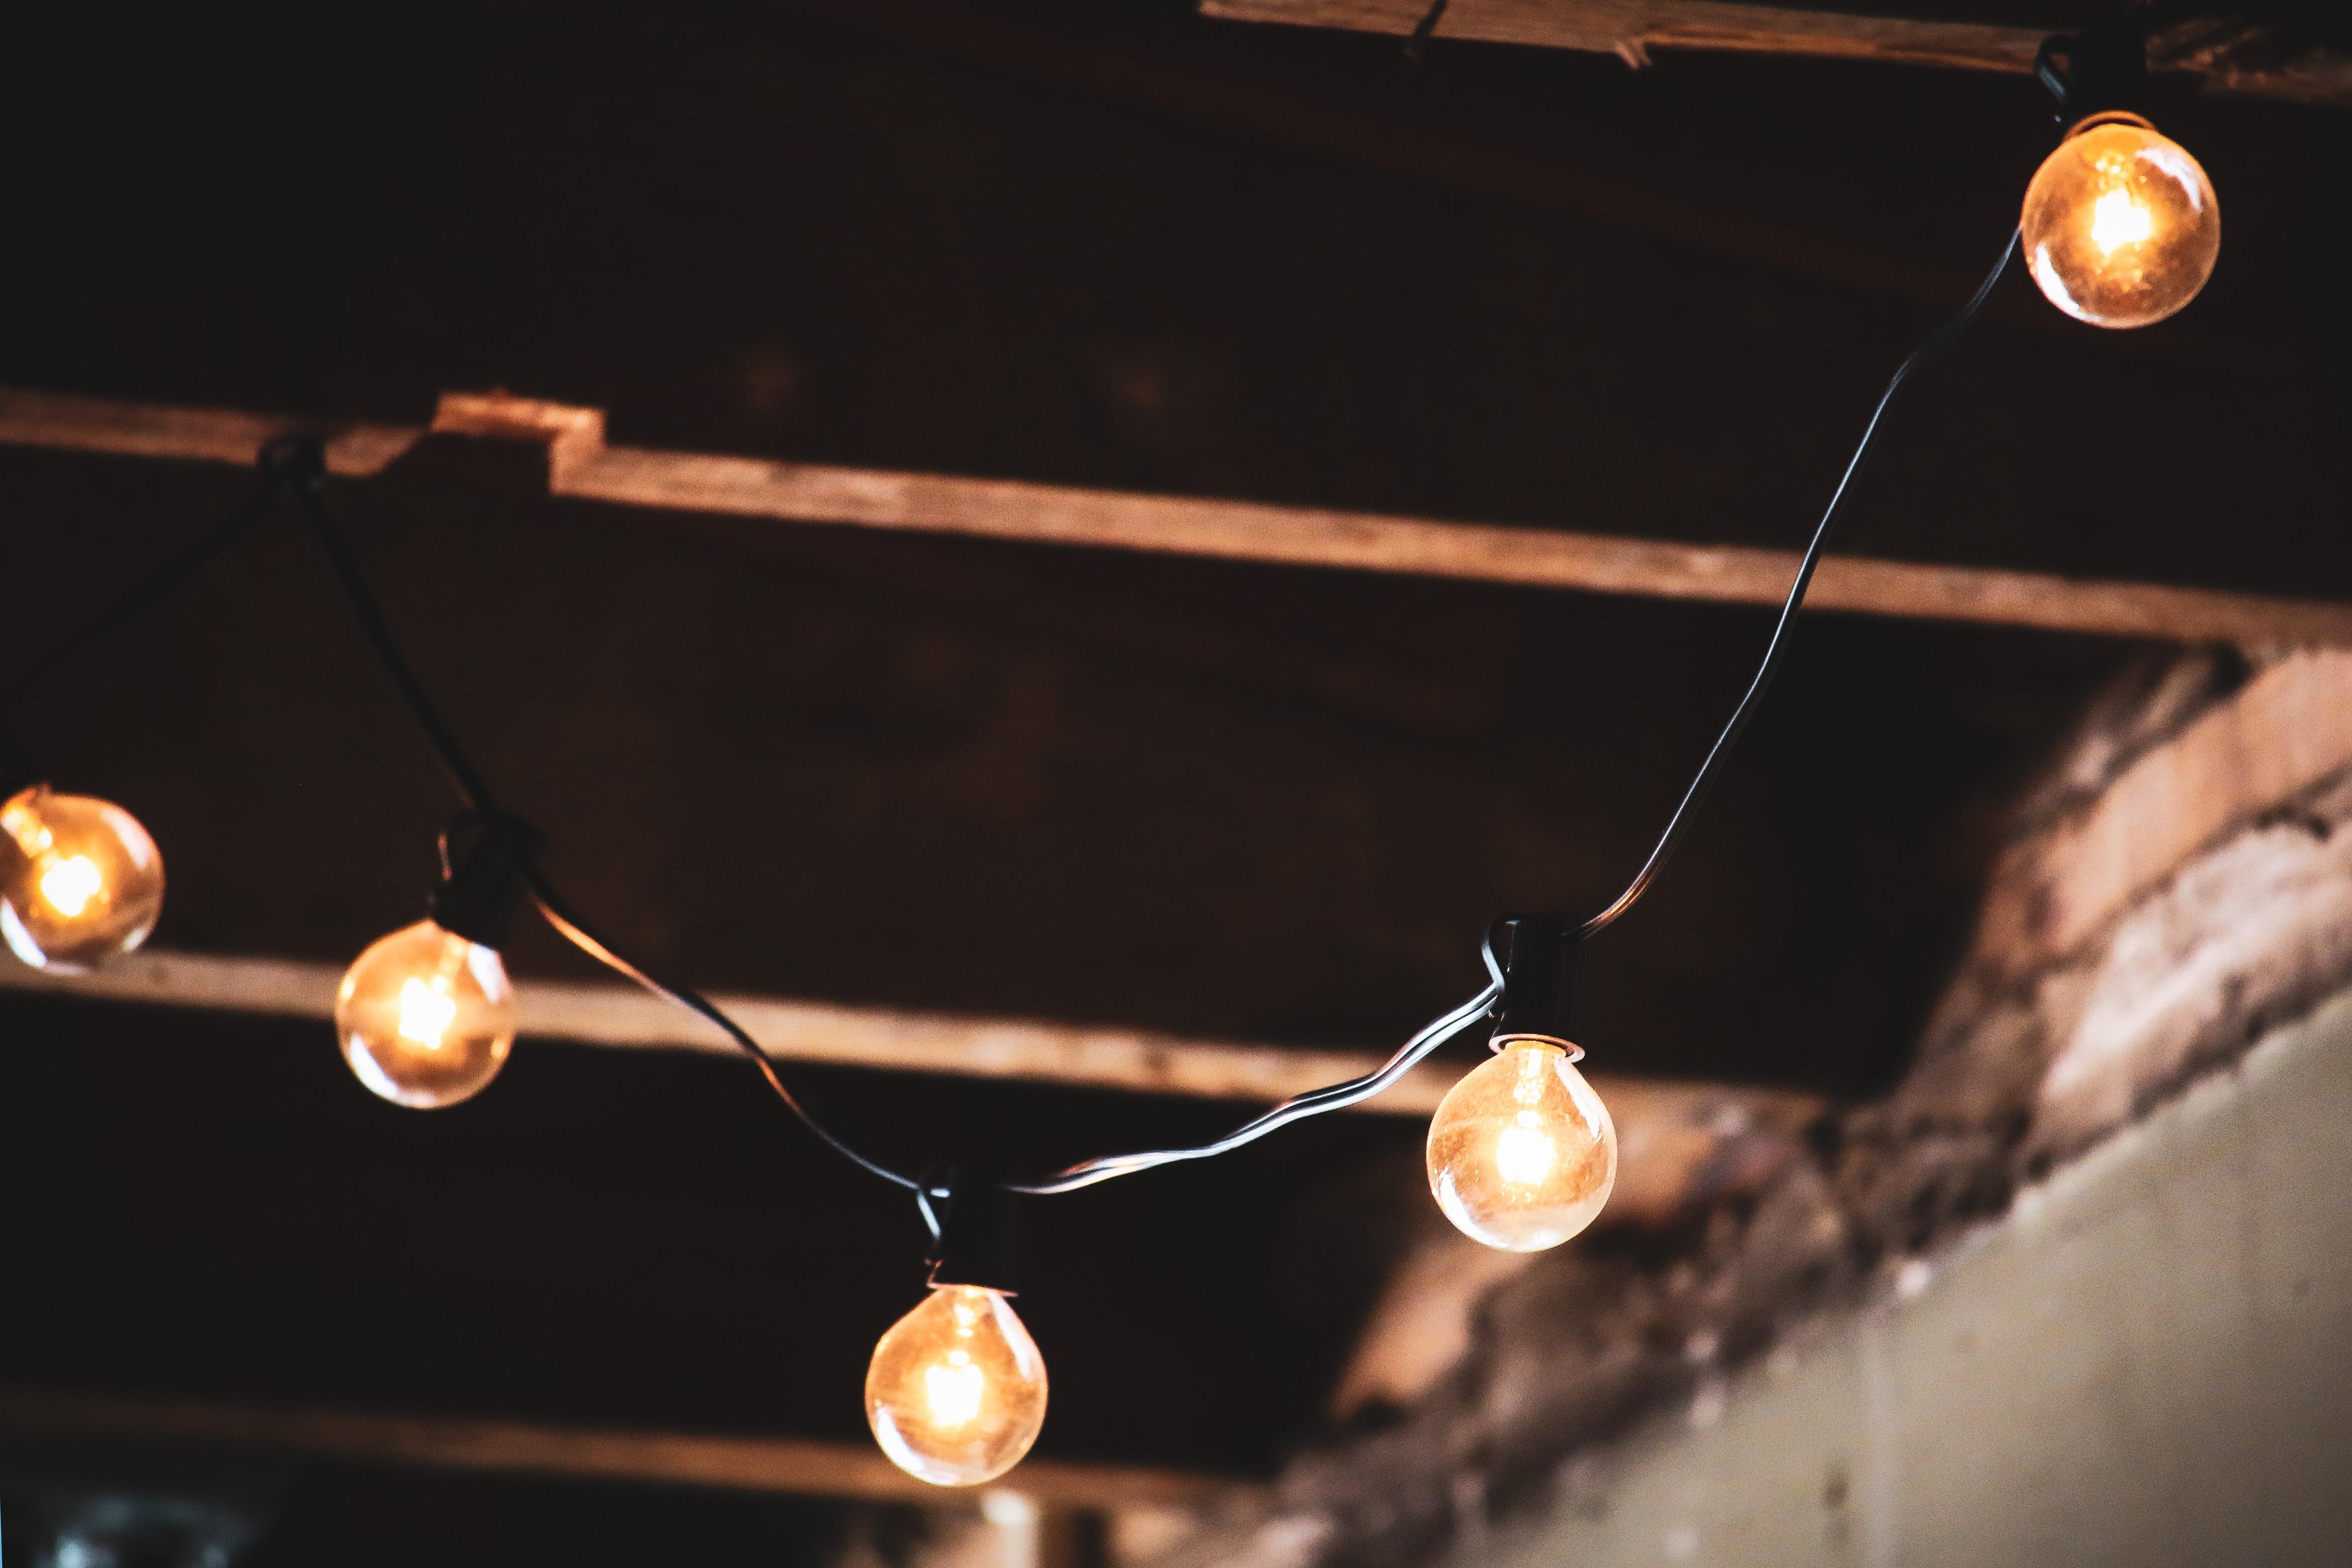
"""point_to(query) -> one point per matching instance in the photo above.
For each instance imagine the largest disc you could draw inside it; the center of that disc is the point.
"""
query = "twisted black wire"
(1777, 650)
(466, 780)
(299, 467)
(310, 482)
(1443, 1029)
(158, 587)
(574, 930)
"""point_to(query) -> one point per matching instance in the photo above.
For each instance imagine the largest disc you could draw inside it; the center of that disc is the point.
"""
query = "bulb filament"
(2117, 220)
(69, 885)
(427, 1006)
(1524, 1153)
(67, 882)
(953, 1388)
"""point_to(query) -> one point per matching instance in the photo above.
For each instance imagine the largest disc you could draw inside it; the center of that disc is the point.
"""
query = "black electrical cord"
(309, 486)
(1775, 650)
(297, 466)
(309, 482)
(158, 587)
(574, 930)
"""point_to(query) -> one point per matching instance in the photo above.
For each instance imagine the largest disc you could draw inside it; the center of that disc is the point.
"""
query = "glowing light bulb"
(80, 881)
(955, 1391)
(2121, 226)
(1522, 1154)
(426, 1018)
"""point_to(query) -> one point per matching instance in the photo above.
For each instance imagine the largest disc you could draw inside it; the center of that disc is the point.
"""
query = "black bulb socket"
(485, 866)
(2105, 70)
(1538, 978)
(976, 1233)
(297, 460)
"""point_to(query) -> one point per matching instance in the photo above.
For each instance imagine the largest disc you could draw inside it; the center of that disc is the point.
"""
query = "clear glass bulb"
(1522, 1154)
(426, 1018)
(80, 881)
(2121, 226)
(955, 1391)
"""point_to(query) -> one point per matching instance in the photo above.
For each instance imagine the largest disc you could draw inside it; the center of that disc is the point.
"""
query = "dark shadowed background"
(1103, 244)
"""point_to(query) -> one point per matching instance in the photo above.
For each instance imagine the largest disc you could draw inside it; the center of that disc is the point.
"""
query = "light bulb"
(1522, 1153)
(2121, 226)
(80, 881)
(955, 1391)
(426, 1018)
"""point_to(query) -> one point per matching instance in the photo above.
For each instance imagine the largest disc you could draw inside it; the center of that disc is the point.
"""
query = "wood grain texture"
(453, 1443)
(2234, 57)
(65, 422)
(1369, 542)
(1649, 1111)
(582, 467)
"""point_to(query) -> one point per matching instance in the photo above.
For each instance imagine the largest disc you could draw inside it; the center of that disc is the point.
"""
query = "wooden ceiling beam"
(582, 465)
(46, 1416)
(1679, 1143)
(2229, 55)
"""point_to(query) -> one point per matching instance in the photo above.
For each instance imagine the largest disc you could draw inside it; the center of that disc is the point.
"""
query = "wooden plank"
(2232, 55)
(795, 1465)
(882, 1039)
(1624, 26)
(1366, 541)
(65, 422)
(582, 467)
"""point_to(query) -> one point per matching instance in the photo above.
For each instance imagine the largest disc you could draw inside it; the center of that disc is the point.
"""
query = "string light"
(2120, 226)
(955, 1391)
(426, 1018)
(80, 881)
(1522, 1154)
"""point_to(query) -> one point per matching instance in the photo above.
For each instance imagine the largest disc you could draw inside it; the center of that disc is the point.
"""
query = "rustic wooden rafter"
(583, 466)
(2229, 55)
(1680, 1143)
(799, 1465)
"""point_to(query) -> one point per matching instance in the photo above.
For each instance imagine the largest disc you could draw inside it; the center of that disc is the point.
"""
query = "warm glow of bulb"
(952, 1388)
(426, 1011)
(80, 881)
(955, 1391)
(426, 1018)
(2116, 219)
(1522, 1154)
(70, 884)
(2121, 227)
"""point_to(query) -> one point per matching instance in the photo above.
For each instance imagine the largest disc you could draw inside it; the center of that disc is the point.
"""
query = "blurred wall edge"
(2146, 1362)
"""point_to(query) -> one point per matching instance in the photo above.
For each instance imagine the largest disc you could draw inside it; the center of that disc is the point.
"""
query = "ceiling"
(1109, 245)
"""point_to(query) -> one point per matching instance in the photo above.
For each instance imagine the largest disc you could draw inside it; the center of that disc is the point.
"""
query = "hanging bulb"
(425, 1016)
(1522, 1153)
(80, 881)
(955, 1391)
(2121, 226)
